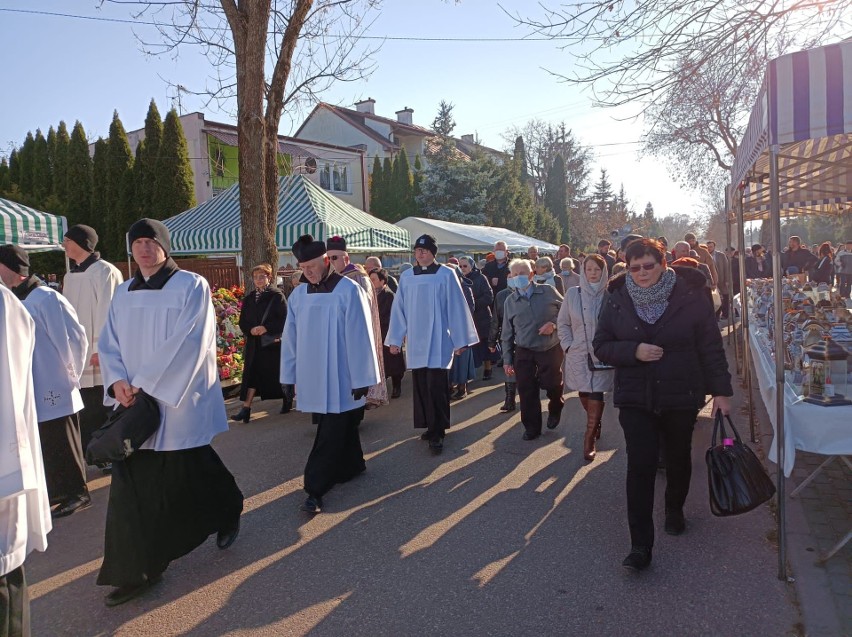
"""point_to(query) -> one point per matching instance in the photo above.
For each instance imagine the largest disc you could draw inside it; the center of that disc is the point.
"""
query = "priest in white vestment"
(24, 509)
(60, 354)
(430, 313)
(89, 287)
(174, 492)
(329, 353)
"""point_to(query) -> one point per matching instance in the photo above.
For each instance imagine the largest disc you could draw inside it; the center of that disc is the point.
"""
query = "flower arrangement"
(229, 339)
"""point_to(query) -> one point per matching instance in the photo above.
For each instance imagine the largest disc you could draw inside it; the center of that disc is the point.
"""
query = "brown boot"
(593, 416)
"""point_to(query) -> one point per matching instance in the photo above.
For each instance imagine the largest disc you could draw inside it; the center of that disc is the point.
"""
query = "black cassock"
(394, 363)
(261, 364)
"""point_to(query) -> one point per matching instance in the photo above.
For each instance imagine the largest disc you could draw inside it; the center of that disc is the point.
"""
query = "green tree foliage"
(520, 154)
(78, 177)
(511, 203)
(386, 188)
(149, 158)
(119, 164)
(174, 191)
(377, 195)
(98, 213)
(403, 194)
(556, 198)
(137, 203)
(5, 182)
(59, 163)
(42, 179)
(14, 169)
(546, 226)
(26, 158)
(416, 179)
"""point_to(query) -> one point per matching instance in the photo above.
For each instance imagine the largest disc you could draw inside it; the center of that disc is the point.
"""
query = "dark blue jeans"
(643, 432)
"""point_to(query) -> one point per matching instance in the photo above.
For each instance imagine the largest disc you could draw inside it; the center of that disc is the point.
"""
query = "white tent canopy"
(31, 229)
(459, 237)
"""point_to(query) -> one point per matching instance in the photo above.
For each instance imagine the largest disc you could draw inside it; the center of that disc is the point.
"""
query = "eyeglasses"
(644, 266)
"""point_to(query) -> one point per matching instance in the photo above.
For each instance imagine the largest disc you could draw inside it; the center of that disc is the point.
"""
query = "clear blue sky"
(63, 68)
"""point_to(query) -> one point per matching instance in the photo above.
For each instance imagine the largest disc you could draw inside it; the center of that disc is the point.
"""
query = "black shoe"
(243, 414)
(675, 523)
(461, 392)
(396, 392)
(424, 435)
(312, 504)
(224, 539)
(638, 560)
(528, 435)
(436, 446)
(73, 505)
(553, 420)
(286, 406)
(487, 374)
(124, 594)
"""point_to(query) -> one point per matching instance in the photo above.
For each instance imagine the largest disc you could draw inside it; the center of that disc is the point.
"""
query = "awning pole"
(778, 307)
(744, 318)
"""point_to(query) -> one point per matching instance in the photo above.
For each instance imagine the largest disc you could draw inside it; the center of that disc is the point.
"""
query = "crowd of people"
(637, 324)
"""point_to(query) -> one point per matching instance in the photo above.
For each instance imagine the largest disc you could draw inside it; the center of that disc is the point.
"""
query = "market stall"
(460, 237)
(29, 228)
(795, 159)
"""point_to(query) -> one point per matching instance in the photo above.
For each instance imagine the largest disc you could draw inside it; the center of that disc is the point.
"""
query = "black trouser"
(64, 464)
(336, 455)
(535, 371)
(14, 604)
(431, 398)
(591, 395)
(723, 309)
(845, 284)
(643, 432)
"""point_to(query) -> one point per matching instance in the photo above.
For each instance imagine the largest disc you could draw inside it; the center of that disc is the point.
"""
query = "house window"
(334, 177)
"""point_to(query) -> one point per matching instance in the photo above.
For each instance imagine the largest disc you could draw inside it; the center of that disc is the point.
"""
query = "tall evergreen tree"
(78, 176)
(521, 156)
(511, 205)
(51, 154)
(42, 179)
(119, 163)
(5, 182)
(26, 159)
(138, 201)
(388, 203)
(377, 195)
(556, 197)
(403, 186)
(149, 157)
(59, 164)
(175, 191)
(14, 169)
(416, 180)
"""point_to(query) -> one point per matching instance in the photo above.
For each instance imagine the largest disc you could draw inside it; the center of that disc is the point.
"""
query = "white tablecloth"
(824, 430)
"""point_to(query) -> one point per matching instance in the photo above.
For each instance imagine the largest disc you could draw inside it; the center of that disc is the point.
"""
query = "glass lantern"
(828, 382)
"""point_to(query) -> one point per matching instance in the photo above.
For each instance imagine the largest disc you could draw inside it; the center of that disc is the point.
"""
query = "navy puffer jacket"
(693, 363)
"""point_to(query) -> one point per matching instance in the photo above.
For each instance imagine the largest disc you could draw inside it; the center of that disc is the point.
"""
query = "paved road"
(495, 537)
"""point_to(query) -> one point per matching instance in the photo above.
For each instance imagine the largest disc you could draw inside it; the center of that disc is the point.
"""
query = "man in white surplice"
(24, 509)
(328, 352)
(60, 354)
(89, 287)
(174, 492)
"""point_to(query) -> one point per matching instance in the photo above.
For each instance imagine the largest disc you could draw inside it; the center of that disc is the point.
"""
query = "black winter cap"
(335, 243)
(15, 258)
(427, 241)
(151, 229)
(84, 236)
(308, 249)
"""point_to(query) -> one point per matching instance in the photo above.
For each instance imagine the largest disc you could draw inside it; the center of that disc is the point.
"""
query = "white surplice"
(164, 342)
(90, 292)
(60, 354)
(24, 508)
(327, 349)
(431, 313)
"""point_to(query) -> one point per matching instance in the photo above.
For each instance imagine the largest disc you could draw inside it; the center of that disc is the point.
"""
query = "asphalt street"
(497, 536)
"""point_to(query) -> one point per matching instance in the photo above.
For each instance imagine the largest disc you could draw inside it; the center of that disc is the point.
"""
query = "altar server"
(24, 509)
(431, 314)
(89, 287)
(58, 361)
(329, 353)
(174, 492)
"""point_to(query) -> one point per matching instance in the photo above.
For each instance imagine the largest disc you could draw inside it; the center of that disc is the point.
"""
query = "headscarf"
(593, 290)
(650, 303)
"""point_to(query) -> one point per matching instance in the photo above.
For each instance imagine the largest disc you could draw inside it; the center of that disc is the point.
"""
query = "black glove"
(359, 393)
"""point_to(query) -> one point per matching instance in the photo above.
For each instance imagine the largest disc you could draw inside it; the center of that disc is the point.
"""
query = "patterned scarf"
(650, 303)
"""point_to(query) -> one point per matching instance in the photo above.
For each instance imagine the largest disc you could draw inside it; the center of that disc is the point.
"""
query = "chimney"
(405, 116)
(366, 106)
(468, 139)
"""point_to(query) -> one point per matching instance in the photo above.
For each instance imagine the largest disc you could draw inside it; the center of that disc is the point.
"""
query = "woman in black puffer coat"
(483, 297)
(658, 329)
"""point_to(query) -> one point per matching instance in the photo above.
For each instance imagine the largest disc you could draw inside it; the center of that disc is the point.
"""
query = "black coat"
(693, 363)
(394, 363)
(751, 268)
(483, 297)
(492, 270)
(261, 365)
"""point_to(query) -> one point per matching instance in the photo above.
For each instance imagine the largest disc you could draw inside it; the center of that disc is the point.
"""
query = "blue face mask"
(567, 273)
(518, 282)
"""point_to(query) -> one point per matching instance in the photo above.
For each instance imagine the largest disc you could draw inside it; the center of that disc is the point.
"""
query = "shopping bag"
(737, 480)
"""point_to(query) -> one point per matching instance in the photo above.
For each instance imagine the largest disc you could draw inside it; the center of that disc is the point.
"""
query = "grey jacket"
(523, 317)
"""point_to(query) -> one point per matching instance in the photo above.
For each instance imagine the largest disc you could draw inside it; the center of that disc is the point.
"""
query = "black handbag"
(593, 366)
(126, 429)
(737, 480)
(268, 340)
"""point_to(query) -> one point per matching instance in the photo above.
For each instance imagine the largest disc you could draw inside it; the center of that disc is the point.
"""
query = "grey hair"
(524, 262)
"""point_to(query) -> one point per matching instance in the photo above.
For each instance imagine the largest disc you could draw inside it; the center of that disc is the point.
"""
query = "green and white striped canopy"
(29, 228)
(303, 208)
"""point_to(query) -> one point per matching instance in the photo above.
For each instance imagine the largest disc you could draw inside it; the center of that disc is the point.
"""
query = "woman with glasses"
(658, 329)
(262, 317)
(576, 325)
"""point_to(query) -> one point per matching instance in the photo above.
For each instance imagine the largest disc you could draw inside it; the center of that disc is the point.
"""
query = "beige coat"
(577, 341)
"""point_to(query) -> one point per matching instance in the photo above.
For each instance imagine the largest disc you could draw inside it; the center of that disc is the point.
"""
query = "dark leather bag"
(268, 340)
(125, 431)
(737, 480)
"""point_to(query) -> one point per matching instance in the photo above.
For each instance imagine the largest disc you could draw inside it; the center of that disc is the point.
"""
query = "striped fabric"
(32, 230)
(303, 208)
(805, 107)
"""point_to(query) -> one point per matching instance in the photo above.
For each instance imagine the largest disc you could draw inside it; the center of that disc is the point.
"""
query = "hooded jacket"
(693, 363)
